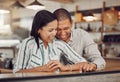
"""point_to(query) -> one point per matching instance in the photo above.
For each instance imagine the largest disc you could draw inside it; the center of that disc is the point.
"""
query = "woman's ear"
(38, 32)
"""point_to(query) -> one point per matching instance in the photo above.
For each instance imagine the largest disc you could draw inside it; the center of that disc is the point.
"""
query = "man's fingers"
(86, 67)
(80, 70)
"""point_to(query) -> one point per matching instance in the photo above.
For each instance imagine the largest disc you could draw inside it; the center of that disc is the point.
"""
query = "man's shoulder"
(59, 42)
(79, 31)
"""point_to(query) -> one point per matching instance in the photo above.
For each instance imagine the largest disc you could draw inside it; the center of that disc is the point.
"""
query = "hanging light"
(4, 11)
(89, 16)
(36, 6)
(17, 4)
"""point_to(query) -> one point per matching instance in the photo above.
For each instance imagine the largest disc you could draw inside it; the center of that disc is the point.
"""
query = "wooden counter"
(112, 64)
(101, 76)
(110, 74)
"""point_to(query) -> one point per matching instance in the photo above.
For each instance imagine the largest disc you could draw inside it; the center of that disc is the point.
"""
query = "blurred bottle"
(89, 28)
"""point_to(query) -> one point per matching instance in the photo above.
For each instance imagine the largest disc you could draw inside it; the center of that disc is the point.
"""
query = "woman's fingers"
(53, 64)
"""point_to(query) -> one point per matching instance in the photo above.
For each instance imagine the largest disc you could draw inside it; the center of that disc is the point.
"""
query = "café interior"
(100, 18)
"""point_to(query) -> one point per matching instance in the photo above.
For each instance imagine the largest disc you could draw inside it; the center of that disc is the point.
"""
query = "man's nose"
(62, 32)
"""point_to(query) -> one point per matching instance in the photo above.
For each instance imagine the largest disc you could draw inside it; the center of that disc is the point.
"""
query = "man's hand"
(87, 67)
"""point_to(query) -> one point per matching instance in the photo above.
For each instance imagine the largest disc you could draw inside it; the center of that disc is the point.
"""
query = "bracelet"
(70, 66)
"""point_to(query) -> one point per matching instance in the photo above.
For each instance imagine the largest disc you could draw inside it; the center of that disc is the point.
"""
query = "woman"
(41, 52)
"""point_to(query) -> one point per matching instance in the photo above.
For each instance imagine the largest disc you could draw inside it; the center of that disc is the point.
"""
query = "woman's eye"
(51, 30)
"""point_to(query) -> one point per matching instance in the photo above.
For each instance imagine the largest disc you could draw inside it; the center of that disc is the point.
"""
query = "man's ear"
(71, 21)
(72, 25)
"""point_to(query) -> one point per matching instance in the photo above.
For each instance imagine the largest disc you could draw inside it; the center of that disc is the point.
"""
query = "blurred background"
(104, 26)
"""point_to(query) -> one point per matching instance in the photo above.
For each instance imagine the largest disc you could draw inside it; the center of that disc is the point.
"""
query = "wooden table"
(2, 70)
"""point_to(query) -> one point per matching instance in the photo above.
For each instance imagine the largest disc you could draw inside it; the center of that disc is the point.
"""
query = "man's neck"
(67, 40)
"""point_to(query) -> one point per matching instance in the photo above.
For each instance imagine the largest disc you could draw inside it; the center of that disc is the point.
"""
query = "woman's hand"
(55, 64)
(51, 66)
(43, 68)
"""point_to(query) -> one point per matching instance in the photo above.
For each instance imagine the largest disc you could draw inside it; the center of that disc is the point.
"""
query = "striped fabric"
(30, 56)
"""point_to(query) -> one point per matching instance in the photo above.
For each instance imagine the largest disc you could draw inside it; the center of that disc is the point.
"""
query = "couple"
(42, 52)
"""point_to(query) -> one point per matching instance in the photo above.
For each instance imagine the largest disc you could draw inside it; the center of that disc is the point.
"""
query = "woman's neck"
(45, 44)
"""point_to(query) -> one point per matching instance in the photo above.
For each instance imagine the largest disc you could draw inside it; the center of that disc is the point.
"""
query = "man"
(79, 40)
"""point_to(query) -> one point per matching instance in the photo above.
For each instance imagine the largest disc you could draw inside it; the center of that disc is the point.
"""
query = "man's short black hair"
(62, 14)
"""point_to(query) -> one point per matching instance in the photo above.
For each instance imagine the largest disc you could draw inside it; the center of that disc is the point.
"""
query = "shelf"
(111, 32)
(111, 58)
(98, 30)
(111, 42)
(93, 32)
(89, 21)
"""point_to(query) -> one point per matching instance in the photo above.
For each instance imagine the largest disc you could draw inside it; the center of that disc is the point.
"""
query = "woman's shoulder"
(28, 40)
